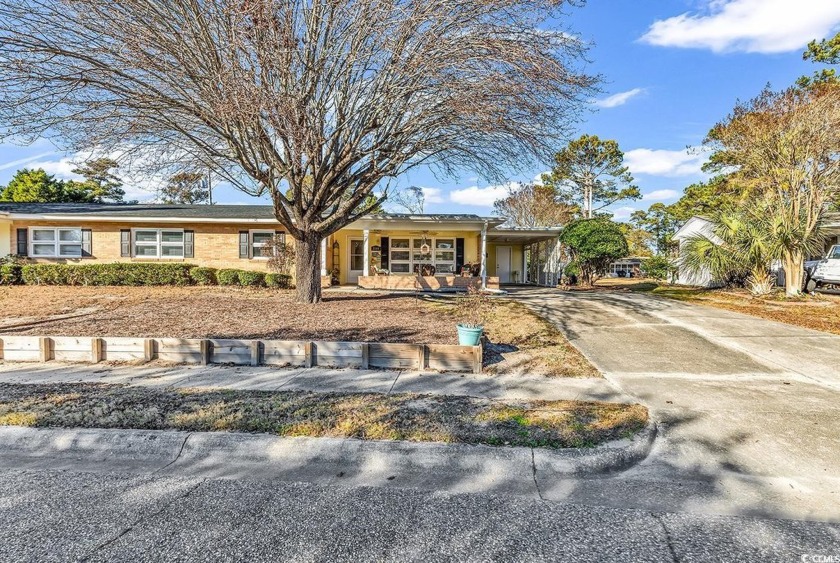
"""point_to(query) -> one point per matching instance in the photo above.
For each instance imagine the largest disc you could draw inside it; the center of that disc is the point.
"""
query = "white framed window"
(399, 257)
(445, 255)
(407, 253)
(55, 242)
(260, 243)
(158, 243)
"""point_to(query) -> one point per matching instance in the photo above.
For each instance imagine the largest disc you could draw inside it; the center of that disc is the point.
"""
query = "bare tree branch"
(268, 93)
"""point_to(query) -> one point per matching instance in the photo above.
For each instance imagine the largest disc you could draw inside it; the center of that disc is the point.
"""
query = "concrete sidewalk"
(318, 379)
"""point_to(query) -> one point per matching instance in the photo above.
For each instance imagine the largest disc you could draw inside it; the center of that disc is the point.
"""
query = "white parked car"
(825, 274)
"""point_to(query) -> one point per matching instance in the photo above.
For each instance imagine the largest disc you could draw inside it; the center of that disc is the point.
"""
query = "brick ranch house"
(388, 251)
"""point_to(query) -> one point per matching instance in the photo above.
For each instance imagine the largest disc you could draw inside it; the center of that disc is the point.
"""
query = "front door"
(503, 255)
(356, 261)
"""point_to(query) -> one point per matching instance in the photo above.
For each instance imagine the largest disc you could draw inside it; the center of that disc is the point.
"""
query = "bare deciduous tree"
(267, 93)
(411, 199)
(534, 205)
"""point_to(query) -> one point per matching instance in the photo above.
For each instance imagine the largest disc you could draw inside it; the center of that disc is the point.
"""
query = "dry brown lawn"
(367, 416)
(817, 312)
(218, 312)
(520, 342)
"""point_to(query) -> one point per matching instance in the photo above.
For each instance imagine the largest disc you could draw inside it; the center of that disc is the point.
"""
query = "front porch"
(438, 253)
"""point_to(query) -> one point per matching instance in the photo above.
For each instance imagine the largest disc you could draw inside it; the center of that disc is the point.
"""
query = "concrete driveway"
(748, 409)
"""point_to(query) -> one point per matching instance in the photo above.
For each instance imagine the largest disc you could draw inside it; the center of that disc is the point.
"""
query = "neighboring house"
(626, 267)
(693, 227)
(377, 251)
(700, 225)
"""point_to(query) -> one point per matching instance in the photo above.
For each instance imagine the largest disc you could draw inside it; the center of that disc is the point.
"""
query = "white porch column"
(484, 256)
(524, 267)
(366, 236)
(323, 257)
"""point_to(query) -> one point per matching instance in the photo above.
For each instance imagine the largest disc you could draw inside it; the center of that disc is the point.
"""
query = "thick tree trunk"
(308, 268)
(794, 265)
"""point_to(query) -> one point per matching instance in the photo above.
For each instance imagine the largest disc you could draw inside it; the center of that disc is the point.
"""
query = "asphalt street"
(72, 516)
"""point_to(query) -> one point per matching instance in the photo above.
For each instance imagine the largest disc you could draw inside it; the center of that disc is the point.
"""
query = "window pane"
(70, 235)
(400, 268)
(172, 251)
(445, 268)
(444, 243)
(357, 246)
(70, 249)
(43, 249)
(445, 255)
(260, 251)
(145, 236)
(144, 250)
(262, 238)
(357, 262)
(41, 234)
(172, 236)
(400, 255)
(399, 243)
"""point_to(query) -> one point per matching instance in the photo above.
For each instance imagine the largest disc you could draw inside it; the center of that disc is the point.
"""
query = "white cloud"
(619, 99)
(622, 213)
(483, 197)
(660, 195)
(61, 168)
(137, 185)
(23, 161)
(752, 26)
(664, 162)
(432, 195)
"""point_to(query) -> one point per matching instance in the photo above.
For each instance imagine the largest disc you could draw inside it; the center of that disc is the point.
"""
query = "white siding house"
(693, 227)
(700, 225)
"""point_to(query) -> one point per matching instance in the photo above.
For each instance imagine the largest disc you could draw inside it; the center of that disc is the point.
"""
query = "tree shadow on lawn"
(354, 334)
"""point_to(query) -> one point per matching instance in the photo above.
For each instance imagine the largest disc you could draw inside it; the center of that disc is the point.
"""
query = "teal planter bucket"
(468, 336)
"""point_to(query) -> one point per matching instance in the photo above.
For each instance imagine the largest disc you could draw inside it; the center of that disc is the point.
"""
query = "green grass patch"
(367, 416)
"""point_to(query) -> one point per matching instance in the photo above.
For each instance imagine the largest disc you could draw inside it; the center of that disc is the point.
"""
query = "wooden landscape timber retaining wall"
(363, 355)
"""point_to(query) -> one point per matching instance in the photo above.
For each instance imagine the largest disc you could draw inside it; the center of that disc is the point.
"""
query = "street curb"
(611, 457)
(221, 455)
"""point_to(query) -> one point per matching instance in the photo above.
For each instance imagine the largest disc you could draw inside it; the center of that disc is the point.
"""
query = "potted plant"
(472, 310)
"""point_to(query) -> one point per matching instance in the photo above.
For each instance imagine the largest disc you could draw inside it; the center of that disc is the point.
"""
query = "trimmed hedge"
(278, 281)
(106, 274)
(136, 274)
(250, 278)
(228, 277)
(203, 276)
(10, 274)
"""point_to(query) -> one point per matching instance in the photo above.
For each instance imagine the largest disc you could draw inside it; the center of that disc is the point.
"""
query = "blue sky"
(671, 70)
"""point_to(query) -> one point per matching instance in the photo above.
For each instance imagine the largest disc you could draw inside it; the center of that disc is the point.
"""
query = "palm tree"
(744, 243)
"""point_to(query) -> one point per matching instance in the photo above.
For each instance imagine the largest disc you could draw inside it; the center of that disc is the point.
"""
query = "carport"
(524, 255)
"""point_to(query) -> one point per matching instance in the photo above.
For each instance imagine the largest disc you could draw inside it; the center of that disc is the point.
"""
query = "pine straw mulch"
(219, 312)
(367, 416)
